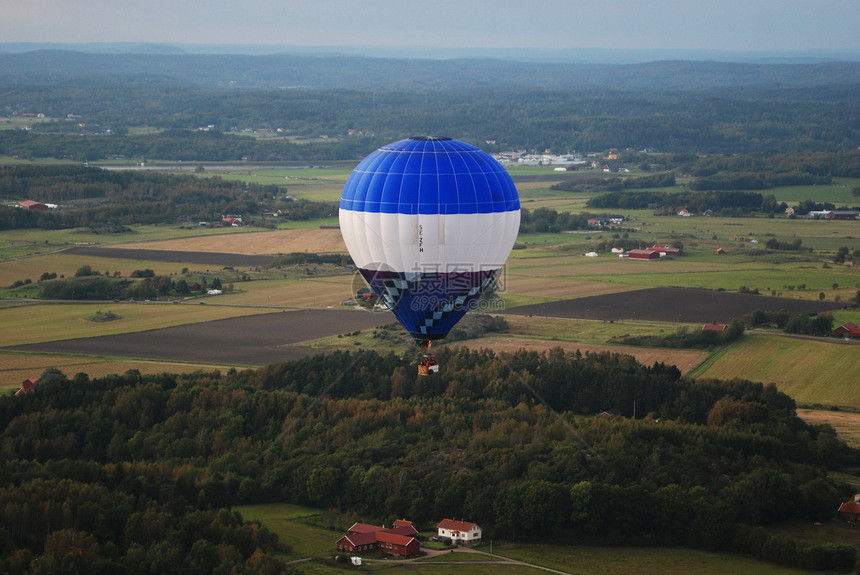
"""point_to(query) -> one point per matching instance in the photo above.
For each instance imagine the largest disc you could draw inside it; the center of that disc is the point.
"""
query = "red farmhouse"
(397, 540)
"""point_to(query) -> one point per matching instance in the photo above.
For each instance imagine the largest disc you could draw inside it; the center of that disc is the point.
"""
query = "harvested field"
(313, 240)
(17, 368)
(251, 341)
(221, 259)
(812, 371)
(670, 304)
(846, 424)
(550, 287)
(685, 360)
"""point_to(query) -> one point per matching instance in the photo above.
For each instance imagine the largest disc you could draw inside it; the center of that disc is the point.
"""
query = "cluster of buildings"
(401, 538)
(655, 252)
(838, 215)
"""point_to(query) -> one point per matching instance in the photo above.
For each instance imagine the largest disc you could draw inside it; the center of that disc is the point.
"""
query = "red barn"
(31, 205)
(27, 386)
(643, 255)
(849, 510)
(847, 329)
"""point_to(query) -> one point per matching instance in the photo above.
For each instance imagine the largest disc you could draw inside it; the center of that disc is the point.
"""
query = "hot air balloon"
(429, 221)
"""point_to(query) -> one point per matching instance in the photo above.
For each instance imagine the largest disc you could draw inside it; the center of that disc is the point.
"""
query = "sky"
(728, 25)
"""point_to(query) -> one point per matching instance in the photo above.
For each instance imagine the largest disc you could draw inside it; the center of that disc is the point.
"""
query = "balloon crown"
(430, 138)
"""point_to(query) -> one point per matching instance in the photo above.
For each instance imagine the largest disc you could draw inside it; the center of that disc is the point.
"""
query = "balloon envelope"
(429, 222)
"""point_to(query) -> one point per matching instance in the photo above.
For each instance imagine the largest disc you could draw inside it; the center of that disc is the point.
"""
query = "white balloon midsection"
(429, 243)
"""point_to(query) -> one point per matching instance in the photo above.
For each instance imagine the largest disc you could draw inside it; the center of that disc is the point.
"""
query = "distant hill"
(348, 71)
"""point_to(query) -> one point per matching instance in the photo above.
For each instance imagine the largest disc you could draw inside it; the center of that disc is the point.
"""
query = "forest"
(670, 107)
(532, 446)
(93, 197)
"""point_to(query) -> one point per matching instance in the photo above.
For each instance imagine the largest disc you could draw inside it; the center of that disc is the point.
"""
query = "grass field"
(17, 367)
(40, 323)
(647, 561)
(309, 541)
(812, 372)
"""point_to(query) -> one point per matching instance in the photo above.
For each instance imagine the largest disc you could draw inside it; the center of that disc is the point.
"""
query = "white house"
(459, 531)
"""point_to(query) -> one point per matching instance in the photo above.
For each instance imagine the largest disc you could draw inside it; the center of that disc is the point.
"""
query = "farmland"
(300, 528)
(547, 270)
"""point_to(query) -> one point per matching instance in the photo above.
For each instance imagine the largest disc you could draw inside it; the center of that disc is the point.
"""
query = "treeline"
(663, 180)
(756, 181)
(804, 324)
(298, 258)
(684, 338)
(109, 199)
(547, 220)
(185, 145)
(498, 438)
(720, 202)
(722, 183)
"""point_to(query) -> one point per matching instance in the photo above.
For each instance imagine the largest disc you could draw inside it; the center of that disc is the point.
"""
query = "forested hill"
(337, 71)
(704, 464)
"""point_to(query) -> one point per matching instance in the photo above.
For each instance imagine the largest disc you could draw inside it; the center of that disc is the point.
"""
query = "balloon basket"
(428, 366)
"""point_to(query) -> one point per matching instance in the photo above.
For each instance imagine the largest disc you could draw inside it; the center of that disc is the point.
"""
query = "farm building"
(847, 329)
(721, 251)
(32, 205)
(643, 254)
(850, 510)
(714, 327)
(667, 249)
(397, 540)
(27, 386)
(843, 215)
(459, 531)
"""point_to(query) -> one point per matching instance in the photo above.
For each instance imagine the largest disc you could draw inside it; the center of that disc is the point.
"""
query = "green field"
(307, 541)
(812, 372)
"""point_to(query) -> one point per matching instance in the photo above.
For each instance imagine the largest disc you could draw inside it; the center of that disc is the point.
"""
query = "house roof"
(453, 525)
(849, 507)
(408, 530)
(713, 327)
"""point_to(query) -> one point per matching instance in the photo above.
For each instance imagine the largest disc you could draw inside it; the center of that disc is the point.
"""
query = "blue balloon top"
(426, 175)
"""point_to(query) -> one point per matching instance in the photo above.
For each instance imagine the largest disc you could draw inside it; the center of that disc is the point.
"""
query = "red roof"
(453, 525)
(360, 538)
(363, 528)
(32, 205)
(849, 507)
(713, 327)
(848, 329)
(388, 537)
